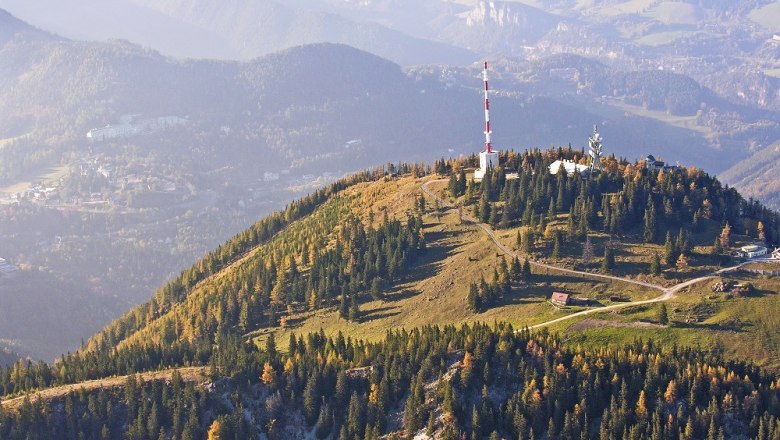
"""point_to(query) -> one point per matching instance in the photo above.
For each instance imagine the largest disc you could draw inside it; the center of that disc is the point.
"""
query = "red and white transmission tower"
(488, 145)
(487, 159)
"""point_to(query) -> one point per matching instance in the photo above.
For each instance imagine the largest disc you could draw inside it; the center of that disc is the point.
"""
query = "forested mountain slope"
(434, 382)
(369, 254)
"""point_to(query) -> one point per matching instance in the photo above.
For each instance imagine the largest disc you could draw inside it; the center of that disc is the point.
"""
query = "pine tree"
(493, 218)
(608, 263)
(556, 252)
(473, 298)
(663, 315)
(452, 186)
(270, 346)
(313, 300)
(515, 270)
(324, 424)
(311, 398)
(243, 317)
(354, 309)
(461, 182)
(571, 228)
(717, 249)
(483, 210)
(505, 220)
(655, 264)
(650, 222)
(476, 427)
(343, 306)
(526, 270)
(670, 253)
(588, 253)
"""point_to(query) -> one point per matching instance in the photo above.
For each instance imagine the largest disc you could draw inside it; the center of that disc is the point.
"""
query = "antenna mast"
(488, 144)
(595, 151)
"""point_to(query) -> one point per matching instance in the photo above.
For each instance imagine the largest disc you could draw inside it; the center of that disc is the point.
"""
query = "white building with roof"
(753, 251)
(569, 166)
(7, 270)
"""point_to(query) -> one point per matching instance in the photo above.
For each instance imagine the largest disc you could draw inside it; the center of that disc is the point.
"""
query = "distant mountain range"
(758, 176)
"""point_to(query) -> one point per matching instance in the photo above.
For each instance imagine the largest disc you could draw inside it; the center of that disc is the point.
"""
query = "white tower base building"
(486, 160)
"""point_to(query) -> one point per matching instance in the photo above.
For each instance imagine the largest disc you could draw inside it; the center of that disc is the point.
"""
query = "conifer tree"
(556, 252)
(655, 264)
(493, 218)
(650, 222)
(473, 298)
(452, 186)
(608, 263)
(670, 253)
(515, 270)
(588, 252)
(311, 398)
(505, 219)
(526, 270)
(344, 306)
(483, 209)
(354, 308)
(663, 315)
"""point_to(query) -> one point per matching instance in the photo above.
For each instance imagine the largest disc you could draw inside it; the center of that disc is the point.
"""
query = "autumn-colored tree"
(641, 407)
(215, 431)
(682, 261)
(670, 395)
(269, 374)
(725, 237)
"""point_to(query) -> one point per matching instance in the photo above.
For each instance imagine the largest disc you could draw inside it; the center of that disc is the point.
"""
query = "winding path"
(667, 293)
(188, 374)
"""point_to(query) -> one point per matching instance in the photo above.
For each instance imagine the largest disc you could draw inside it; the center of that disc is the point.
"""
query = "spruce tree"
(670, 253)
(608, 263)
(505, 220)
(452, 186)
(587, 251)
(483, 209)
(527, 270)
(515, 270)
(655, 264)
(650, 222)
(344, 306)
(556, 252)
(663, 315)
(473, 298)
(354, 309)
